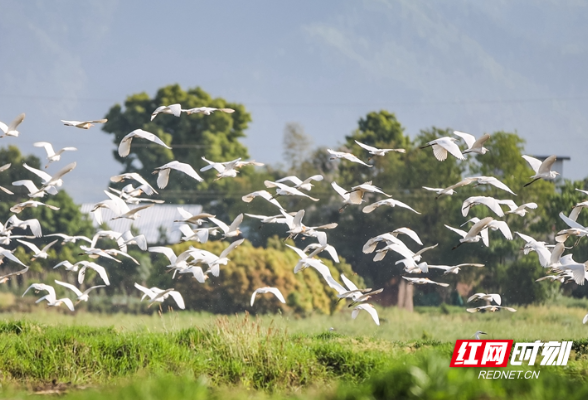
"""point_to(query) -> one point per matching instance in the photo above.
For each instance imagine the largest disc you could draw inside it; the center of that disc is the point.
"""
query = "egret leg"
(536, 179)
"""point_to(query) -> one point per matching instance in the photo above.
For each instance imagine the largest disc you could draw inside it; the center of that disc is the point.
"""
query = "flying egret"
(212, 260)
(495, 225)
(96, 253)
(2, 169)
(129, 193)
(69, 239)
(17, 208)
(197, 219)
(197, 272)
(400, 248)
(423, 281)
(490, 202)
(474, 146)
(477, 334)
(328, 248)
(476, 233)
(576, 229)
(40, 287)
(164, 170)
(84, 124)
(115, 204)
(306, 261)
(577, 270)
(38, 253)
(10, 130)
(270, 219)
(387, 202)
(364, 297)
(376, 151)
(207, 110)
(348, 156)
(176, 262)
(53, 156)
(520, 210)
(488, 297)
(489, 309)
(98, 268)
(296, 227)
(145, 186)
(275, 291)
(128, 238)
(68, 266)
(82, 296)
(33, 224)
(390, 237)
(355, 195)
(542, 168)
(454, 269)
(159, 295)
(299, 183)
(5, 278)
(552, 278)
(174, 109)
(229, 231)
(134, 213)
(351, 292)
(285, 190)
(50, 296)
(577, 209)
(442, 146)
(369, 309)
(112, 235)
(124, 147)
(55, 180)
(263, 194)
(31, 187)
(225, 169)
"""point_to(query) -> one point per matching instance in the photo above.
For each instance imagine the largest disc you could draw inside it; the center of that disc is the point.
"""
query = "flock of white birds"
(194, 227)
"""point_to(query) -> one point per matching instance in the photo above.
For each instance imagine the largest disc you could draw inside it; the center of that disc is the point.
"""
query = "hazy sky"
(475, 66)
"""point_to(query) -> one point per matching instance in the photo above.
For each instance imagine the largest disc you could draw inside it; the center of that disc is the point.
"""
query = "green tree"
(297, 146)
(68, 219)
(250, 268)
(191, 137)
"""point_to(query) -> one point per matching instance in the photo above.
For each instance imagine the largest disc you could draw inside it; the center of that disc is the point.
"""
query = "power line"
(314, 105)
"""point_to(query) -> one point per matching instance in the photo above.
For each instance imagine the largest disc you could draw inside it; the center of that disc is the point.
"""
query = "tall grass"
(421, 375)
(442, 324)
(234, 351)
(278, 355)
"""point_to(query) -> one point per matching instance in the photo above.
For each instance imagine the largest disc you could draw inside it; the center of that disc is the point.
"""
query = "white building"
(149, 221)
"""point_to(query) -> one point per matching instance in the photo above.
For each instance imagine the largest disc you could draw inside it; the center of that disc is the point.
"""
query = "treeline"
(265, 261)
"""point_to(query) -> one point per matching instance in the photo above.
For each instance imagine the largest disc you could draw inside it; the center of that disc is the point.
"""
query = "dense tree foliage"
(191, 137)
(402, 175)
(68, 219)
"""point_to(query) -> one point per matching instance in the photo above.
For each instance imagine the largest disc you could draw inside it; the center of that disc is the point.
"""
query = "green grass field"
(190, 355)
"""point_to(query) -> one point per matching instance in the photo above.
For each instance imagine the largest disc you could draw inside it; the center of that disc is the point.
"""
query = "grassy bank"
(438, 323)
(278, 357)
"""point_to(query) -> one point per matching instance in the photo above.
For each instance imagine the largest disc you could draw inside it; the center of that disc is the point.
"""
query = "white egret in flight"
(84, 124)
(474, 146)
(52, 156)
(275, 291)
(542, 168)
(10, 130)
(442, 146)
(124, 147)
